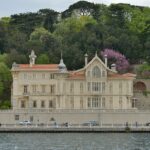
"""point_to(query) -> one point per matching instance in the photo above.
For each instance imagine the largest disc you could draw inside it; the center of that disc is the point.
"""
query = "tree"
(50, 17)
(5, 82)
(2, 36)
(38, 33)
(42, 59)
(16, 40)
(15, 56)
(122, 65)
(81, 8)
(26, 22)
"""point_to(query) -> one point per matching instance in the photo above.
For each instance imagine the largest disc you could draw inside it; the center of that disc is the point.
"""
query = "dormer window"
(96, 72)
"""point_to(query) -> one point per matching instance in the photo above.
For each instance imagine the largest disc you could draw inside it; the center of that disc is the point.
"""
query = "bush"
(5, 104)
(144, 71)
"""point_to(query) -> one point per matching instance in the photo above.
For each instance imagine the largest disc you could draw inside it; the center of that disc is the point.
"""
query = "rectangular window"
(103, 102)
(34, 104)
(31, 118)
(89, 102)
(81, 102)
(89, 86)
(16, 117)
(93, 86)
(51, 76)
(50, 104)
(52, 89)
(81, 87)
(99, 86)
(71, 87)
(23, 104)
(25, 89)
(103, 86)
(96, 86)
(72, 101)
(95, 102)
(42, 104)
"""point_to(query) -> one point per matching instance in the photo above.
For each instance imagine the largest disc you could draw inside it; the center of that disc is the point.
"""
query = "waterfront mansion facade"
(53, 87)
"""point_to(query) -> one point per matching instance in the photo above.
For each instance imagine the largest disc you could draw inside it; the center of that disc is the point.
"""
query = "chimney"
(105, 57)
(86, 59)
(113, 67)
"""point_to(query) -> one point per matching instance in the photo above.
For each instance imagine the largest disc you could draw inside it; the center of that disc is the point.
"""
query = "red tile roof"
(76, 75)
(38, 67)
(121, 76)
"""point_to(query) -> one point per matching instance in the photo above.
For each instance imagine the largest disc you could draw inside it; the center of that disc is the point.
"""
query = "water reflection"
(75, 141)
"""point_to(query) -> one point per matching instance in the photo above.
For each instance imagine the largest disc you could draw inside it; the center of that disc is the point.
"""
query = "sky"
(9, 7)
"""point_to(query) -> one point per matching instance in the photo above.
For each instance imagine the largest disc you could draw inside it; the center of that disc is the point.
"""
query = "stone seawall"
(74, 130)
(75, 116)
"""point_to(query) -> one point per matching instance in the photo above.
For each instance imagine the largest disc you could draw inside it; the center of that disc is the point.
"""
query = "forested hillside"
(83, 27)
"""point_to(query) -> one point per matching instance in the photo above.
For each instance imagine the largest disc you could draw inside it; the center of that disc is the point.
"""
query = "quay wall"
(75, 116)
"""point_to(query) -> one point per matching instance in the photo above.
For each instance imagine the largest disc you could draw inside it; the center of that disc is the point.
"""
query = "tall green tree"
(5, 82)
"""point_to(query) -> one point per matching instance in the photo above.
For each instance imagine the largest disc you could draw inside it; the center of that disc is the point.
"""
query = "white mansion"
(53, 87)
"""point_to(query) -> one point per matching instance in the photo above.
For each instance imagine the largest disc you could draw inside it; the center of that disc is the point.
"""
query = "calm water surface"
(74, 141)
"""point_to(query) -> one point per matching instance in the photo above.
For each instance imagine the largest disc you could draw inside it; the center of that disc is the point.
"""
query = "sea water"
(74, 141)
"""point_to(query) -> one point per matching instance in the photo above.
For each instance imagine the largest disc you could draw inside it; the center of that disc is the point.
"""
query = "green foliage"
(3, 57)
(84, 26)
(38, 33)
(43, 59)
(14, 56)
(5, 81)
(146, 93)
(5, 104)
(83, 8)
(73, 25)
(49, 18)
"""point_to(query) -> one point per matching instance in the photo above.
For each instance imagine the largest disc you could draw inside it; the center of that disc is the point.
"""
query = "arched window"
(139, 86)
(96, 72)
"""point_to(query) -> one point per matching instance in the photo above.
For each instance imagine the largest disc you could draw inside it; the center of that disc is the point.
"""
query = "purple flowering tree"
(122, 64)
